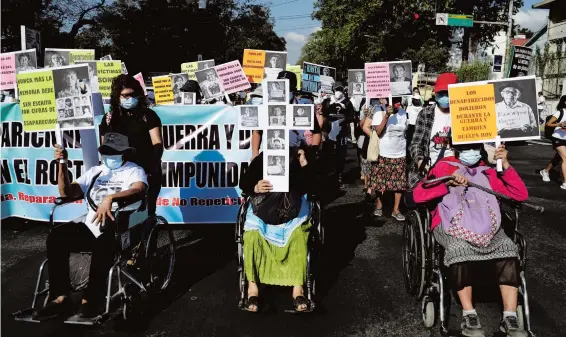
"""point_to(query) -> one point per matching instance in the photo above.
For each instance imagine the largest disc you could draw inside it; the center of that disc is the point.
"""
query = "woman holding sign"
(129, 115)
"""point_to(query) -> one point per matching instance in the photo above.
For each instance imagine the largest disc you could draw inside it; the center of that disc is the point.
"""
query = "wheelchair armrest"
(129, 200)
(65, 200)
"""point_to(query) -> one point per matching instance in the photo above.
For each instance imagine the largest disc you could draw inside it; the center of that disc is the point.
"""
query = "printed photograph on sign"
(209, 83)
(276, 165)
(92, 74)
(276, 91)
(276, 139)
(206, 64)
(106, 58)
(189, 98)
(400, 78)
(14, 63)
(74, 106)
(56, 58)
(248, 117)
(358, 89)
(275, 63)
(277, 115)
(124, 69)
(178, 81)
(26, 60)
(327, 79)
(303, 116)
(516, 108)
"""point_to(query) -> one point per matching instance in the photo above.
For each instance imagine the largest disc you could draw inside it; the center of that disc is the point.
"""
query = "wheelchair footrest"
(84, 321)
(25, 316)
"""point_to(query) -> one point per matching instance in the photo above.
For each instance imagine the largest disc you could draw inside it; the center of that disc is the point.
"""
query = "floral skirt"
(388, 174)
(365, 166)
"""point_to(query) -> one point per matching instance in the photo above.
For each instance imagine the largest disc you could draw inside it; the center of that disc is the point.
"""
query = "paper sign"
(298, 72)
(13, 63)
(61, 95)
(385, 79)
(101, 75)
(64, 57)
(139, 78)
(192, 67)
(356, 82)
(232, 77)
(163, 90)
(260, 64)
(318, 78)
(473, 115)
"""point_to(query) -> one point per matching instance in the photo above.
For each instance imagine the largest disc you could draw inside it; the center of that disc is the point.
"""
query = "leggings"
(501, 271)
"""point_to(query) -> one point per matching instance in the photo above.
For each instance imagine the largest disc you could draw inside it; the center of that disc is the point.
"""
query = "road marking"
(538, 142)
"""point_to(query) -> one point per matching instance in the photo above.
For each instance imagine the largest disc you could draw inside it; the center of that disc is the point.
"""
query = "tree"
(523, 31)
(474, 71)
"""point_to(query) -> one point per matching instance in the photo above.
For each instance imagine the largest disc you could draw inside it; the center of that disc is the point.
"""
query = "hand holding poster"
(385, 79)
(56, 95)
(64, 57)
(260, 64)
(13, 63)
(192, 67)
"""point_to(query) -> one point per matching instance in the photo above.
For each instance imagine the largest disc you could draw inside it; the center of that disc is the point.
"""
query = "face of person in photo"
(359, 77)
(85, 100)
(24, 60)
(247, 112)
(210, 76)
(86, 110)
(61, 114)
(276, 134)
(76, 101)
(277, 160)
(510, 95)
(399, 72)
(273, 61)
(68, 102)
(416, 91)
(99, 196)
(71, 79)
(205, 66)
(78, 110)
(277, 111)
(300, 112)
(274, 86)
(326, 72)
(358, 87)
(179, 81)
(91, 73)
(277, 144)
(56, 60)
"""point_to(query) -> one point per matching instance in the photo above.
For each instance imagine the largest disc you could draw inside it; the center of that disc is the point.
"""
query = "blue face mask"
(470, 157)
(256, 101)
(129, 103)
(443, 100)
(113, 162)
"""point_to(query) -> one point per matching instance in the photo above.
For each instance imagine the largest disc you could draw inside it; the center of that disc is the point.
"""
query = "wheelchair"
(149, 276)
(315, 244)
(424, 273)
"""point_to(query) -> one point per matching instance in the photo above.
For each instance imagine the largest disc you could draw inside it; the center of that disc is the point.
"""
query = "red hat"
(444, 80)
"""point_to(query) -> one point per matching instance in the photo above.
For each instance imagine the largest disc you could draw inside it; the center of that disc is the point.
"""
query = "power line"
(292, 17)
(282, 3)
(285, 30)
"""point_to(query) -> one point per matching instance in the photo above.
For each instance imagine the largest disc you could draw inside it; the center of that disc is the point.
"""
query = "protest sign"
(318, 78)
(260, 64)
(385, 79)
(139, 78)
(210, 83)
(106, 58)
(31, 39)
(124, 69)
(163, 89)
(205, 156)
(298, 72)
(520, 61)
(232, 77)
(101, 74)
(472, 110)
(356, 82)
(64, 57)
(13, 63)
(514, 101)
(192, 67)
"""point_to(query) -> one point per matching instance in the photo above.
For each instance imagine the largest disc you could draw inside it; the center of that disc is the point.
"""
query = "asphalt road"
(362, 286)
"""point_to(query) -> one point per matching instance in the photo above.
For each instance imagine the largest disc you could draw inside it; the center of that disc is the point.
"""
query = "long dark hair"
(562, 103)
(120, 83)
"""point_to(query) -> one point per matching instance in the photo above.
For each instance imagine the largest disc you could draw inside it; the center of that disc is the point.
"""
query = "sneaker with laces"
(378, 212)
(398, 217)
(544, 175)
(471, 326)
(510, 326)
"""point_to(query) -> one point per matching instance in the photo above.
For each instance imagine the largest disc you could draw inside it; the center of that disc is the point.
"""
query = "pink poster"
(8, 66)
(377, 80)
(139, 78)
(232, 76)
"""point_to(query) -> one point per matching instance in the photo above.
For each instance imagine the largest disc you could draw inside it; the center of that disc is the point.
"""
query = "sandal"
(252, 300)
(299, 301)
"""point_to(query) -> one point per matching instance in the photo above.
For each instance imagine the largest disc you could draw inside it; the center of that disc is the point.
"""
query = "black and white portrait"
(56, 58)
(26, 61)
(275, 165)
(277, 115)
(516, 108)
(177, 82)
(189, 98)
(209, 83)
(277, 91)
(249, 117)
(274, 63)
(85, 100)
(327, 79)
(205, 64)
(92, 74)
(303, 116)
(276, 139)
(8, 96)
(400, 78)
(71, 82)
(358, 89)
(356, 82)
(124, 69)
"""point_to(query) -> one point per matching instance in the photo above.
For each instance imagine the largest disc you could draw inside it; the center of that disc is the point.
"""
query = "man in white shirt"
(101, 187)
(514, 118)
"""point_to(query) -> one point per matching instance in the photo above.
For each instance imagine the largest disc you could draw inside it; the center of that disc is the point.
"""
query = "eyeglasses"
(131, 94)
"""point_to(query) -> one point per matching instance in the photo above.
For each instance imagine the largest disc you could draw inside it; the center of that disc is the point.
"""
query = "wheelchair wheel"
(160, 255)
(429, 312)
(413, 255)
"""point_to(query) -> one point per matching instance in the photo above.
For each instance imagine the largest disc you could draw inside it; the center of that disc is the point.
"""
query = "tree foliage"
(358, 31)
(474, 71)
(148, 35)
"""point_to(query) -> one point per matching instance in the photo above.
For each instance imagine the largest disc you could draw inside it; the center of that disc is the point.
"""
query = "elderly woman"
(275, 241)
(493, 256)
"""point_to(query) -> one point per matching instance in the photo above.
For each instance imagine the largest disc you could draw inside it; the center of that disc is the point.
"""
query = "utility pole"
(509, 32)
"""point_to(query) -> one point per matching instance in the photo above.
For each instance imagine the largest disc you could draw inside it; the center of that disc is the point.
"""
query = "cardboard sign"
(232, 77)
(318, 78)
(520, 61)
(64, 57)
(472, 109)
(385, 79)
(13, 63)
(356, 82)
(162, 89)
(260, 64)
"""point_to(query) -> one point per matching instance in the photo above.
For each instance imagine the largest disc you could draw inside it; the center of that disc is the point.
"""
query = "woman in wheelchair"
(276, 232)
(466, 223)
(101, 186)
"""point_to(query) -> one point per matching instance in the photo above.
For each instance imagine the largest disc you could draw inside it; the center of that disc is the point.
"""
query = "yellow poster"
(37, 100)
(81, 55)
(254, 65)
(298, 71)
(190, 68)
(163, 89)
(107, 71)
(472, 110)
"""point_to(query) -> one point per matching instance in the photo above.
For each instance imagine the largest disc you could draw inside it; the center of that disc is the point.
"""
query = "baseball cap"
(444, 80)
(115, 143)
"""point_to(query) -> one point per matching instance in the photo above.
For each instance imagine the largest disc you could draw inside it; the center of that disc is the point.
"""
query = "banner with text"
(205, 157)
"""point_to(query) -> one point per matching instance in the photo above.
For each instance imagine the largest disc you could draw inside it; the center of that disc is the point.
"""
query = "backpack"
(548, 130)
(468, 213)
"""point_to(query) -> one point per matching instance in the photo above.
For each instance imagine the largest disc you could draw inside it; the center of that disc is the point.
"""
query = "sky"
(297, 30)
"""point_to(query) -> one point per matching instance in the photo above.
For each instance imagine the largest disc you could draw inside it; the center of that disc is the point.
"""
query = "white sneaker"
(544, 175)
(563, 186)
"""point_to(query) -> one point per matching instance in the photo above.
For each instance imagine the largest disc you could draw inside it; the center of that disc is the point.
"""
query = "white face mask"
(339, 95)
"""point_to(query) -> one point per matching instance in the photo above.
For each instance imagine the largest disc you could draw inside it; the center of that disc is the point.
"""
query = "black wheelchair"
(149, 238)
(424, 273)
(315, 244)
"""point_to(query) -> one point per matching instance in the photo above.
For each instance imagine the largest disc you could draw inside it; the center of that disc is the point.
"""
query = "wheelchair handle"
(537, 208)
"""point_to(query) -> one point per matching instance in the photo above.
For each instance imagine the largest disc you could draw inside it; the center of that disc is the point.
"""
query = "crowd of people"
(398, 143)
